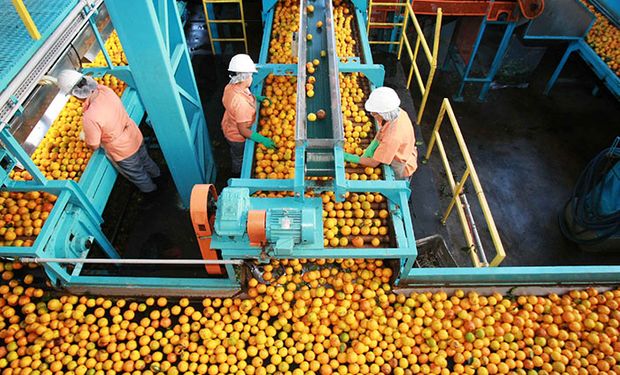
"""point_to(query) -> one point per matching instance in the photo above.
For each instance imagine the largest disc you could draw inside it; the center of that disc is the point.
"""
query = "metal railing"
(209, 21)
(430, 55)
(29, 24)
(459, 200)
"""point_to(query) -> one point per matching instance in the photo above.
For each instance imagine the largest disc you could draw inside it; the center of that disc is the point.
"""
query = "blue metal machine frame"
(599, 67)
(577, 43)
(495, 65)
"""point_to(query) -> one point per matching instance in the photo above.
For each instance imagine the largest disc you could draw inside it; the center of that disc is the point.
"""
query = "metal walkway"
(17, 46)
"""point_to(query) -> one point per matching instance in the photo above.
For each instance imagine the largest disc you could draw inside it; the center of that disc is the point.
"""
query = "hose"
(584, 205)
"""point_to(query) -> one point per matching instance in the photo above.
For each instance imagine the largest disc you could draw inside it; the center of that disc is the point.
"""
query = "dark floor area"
(528, 149)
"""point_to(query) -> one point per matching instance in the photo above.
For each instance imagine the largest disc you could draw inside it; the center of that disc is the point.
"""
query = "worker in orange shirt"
(394, 144)
(106, 124)
(240, 114)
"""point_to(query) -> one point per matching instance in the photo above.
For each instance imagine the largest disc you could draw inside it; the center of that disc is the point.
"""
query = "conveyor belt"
(17, 46)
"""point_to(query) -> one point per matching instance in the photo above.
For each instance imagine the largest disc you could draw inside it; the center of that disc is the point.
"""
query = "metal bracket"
(362, 5)
(121, 72)
(374, 72)
(276, 69)
(20, 109)
(268, 6)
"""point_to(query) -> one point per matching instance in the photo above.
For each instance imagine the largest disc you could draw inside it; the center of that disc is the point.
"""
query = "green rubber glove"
(265, 141)
(261, 98)
(351, 158)
(370, 150)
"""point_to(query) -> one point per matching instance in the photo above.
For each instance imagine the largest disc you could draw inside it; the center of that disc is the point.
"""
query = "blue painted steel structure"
(154, 43)
(495, 65)
(599, 67)
(582, 20)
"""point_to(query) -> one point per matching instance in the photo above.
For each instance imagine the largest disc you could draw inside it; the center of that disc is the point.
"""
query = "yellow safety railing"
(209, 21)
(431, 55)
(457, 189)
(23, 13)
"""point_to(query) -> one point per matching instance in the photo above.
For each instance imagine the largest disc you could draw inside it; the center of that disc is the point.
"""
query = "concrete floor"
(528, 149)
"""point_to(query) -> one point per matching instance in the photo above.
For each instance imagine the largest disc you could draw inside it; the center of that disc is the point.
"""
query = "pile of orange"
(117, 85)
(277, 121)
(359, 129)
(115, 51)
(604, 38)
(285, 24)
(361, 221)
(61, 155)
(302, 317)
(345, 42)
(22, 215)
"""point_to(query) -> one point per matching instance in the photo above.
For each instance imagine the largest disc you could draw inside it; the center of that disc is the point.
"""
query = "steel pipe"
(474, 230)
(131, 261)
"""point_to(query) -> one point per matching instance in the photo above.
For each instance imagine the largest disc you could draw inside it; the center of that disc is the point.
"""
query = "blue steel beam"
(599, 67)
(267, 25)
(151, 32)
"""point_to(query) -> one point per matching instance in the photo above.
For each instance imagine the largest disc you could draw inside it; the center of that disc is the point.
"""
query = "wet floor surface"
(528, 150)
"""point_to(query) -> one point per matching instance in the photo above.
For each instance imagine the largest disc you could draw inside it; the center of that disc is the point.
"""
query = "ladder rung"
(228, 40)
(385, 24)
(222, 1)
(223, 21)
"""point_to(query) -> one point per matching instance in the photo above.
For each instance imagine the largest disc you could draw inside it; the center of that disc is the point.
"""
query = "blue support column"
(458, 97)
(155, 46)
(556, 73)
(495, 65)
(497, 60)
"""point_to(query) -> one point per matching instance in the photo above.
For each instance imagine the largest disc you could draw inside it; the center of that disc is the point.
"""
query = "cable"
(77, 55)
(584, 205)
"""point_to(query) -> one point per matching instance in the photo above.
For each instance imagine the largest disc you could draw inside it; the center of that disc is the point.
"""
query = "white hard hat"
(381, 100)
(242, 63)
(67, 79)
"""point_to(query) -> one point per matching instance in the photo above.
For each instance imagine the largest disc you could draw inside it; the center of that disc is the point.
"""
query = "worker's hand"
(265, 141)
(351, 158)
(269, 143)
(262, 98)
(370, 150)
(82, 136)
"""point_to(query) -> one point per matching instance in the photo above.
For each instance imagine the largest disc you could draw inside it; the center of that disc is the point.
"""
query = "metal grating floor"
(16, 45)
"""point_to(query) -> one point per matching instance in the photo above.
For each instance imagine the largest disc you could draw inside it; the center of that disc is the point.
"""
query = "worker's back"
(106, 121)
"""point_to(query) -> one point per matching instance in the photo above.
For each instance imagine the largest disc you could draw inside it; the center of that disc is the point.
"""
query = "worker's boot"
(149, 200)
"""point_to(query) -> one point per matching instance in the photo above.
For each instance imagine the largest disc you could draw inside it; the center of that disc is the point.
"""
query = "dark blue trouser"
(140, 169)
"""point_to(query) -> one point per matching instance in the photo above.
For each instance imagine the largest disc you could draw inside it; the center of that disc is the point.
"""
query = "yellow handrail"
(457, 187)
(431, 55)
(23, 13)
(210, 21)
